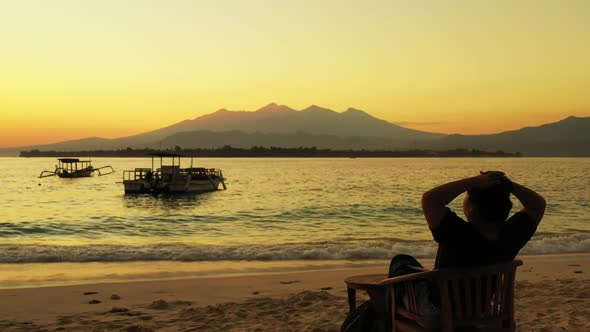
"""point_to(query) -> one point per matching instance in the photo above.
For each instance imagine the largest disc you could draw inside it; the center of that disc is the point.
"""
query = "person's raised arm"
(533, 203)
(435, 200)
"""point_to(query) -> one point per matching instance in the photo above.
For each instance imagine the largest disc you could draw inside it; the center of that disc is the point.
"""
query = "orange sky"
(110, 68)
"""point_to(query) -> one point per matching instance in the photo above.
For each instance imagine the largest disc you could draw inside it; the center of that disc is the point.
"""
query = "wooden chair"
(480, 297)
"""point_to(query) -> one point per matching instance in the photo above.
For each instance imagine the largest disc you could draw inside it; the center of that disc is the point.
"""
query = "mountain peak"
(316, 108)
(356, 112)
(274, 107)
(572, 118)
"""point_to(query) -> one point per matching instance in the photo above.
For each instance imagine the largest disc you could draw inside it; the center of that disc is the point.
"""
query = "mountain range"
(280, 125)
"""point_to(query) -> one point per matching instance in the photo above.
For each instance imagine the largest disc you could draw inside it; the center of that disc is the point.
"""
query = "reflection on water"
(273, 203)
(165, 202)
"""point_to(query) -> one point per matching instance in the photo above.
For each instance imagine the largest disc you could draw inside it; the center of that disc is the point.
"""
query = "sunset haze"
(75, 69)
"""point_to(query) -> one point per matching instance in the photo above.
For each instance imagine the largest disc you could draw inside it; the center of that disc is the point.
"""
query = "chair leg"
(351, 299)
(509, 325)
(392, 308)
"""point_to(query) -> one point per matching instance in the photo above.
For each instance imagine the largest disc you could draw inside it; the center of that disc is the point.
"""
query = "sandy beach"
(552, 294)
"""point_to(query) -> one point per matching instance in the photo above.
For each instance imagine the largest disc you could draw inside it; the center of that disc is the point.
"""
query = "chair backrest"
(478, 296)
(482, 296)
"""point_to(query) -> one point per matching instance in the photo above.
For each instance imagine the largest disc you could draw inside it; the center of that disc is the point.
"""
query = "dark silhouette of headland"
(259, 151)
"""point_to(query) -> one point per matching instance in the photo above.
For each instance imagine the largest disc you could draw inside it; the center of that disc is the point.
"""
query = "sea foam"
(333, 250)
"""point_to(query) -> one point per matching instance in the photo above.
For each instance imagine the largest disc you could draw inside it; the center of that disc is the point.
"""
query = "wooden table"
(377, 294)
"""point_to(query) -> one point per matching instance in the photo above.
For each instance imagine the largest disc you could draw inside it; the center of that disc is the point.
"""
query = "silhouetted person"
(489, 236)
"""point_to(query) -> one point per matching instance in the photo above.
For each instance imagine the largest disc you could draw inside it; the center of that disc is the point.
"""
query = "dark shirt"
(460, 244)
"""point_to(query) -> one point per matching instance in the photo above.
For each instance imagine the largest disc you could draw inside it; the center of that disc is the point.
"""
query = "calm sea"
(274, 210)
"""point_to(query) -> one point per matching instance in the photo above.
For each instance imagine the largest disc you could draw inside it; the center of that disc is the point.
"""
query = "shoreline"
(564, 276)
(145, 271)
(47, 273)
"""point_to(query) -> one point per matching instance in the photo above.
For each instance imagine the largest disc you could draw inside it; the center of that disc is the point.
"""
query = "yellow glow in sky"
(110, 68)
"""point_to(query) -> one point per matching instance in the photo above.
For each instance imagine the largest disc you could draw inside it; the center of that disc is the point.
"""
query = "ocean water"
(275, 210)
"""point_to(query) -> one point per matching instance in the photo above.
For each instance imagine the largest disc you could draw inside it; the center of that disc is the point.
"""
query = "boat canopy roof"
(167, 154)
(72, 160)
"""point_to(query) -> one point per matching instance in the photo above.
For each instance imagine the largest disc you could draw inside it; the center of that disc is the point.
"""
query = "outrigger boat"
(75, 168)
(169, 178)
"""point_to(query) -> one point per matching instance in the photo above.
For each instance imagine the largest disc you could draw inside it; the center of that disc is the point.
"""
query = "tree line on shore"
(260, 151)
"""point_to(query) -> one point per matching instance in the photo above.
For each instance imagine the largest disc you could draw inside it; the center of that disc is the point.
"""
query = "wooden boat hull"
(192, 187)
(197, 186)
(137, 187)
(83, 173)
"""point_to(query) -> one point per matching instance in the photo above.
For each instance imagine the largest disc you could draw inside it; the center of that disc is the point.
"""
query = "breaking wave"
(359, 249)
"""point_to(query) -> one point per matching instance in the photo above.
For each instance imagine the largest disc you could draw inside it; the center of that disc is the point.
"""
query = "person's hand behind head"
(492, 173)
(490, 178)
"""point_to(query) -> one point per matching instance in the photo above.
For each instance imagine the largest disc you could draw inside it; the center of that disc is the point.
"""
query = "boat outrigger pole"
(109, 171)
(46, 174)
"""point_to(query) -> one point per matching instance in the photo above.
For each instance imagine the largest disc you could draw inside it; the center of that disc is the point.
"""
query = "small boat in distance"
(169, 178)
(75, 168)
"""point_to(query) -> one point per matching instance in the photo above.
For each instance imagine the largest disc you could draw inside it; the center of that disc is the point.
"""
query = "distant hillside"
(568, 137)
(280, 125)
(91, 143)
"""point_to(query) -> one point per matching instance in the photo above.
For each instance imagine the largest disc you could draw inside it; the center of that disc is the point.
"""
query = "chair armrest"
(419, 268)
(408, 277)
(429, 274)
